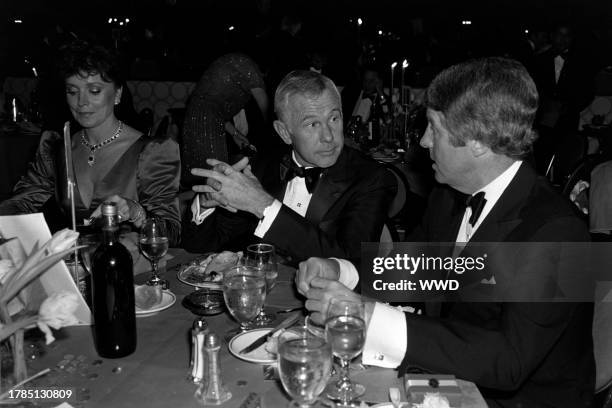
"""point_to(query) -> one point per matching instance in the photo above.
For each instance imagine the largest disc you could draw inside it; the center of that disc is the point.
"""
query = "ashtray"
(204, 302)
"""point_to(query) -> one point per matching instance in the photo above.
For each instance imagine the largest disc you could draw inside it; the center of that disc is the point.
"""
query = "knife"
(262, 339)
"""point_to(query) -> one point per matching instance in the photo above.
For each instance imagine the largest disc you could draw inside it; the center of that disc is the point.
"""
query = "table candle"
(393, 65)
(404, 66)
(14, 110)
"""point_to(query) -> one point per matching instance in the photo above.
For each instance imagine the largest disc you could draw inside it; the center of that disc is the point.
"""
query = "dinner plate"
(186, 273)
(260, 355)
(168, 299)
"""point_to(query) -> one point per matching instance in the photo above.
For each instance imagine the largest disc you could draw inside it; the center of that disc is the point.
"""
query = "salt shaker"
(211, 391)
(196, 365)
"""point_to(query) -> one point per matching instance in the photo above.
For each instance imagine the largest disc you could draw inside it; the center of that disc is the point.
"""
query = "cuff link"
(379, 356)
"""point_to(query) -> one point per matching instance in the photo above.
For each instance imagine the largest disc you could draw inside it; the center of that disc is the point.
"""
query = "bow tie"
(476, 203)
(289, 170)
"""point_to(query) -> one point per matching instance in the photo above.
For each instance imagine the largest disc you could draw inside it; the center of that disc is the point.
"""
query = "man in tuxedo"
(319, 199)
(520, 354)
(564, 81)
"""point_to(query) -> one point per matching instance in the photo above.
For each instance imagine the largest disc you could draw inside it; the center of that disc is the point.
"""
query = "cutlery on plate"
(291, 319)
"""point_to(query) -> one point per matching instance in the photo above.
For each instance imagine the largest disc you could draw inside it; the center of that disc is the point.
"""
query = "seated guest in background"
(317, 199)
(226, 87)
(111, 160)
(537, 354)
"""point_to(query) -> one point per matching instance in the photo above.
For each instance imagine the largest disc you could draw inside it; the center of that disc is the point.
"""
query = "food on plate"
(210, 269)
(147, 296)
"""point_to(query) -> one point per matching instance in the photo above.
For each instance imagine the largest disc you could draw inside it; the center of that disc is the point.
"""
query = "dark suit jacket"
(572, 92)
(534, 354)
(348, 206)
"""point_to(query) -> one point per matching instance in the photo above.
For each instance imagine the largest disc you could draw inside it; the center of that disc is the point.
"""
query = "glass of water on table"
(153, 242)
(263, 257)
(345, 330)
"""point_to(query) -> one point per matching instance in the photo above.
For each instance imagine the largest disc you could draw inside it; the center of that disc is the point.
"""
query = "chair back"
(399, 201)
(386, 242)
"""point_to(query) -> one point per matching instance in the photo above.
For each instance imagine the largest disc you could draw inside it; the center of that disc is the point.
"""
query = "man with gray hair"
(318, 199)
(537, 354)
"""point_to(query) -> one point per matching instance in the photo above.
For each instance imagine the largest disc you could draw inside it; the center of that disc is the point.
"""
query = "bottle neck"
(109, 229)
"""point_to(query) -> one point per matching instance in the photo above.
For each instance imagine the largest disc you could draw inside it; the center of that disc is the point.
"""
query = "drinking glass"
(244, 291)
(345, 330)
(263, 256)
(154, 245)
(305, 363)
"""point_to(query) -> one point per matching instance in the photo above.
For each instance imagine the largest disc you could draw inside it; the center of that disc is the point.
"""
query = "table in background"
(155, 375)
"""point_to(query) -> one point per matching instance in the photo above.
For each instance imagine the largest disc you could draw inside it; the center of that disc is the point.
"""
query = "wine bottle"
(113, 291)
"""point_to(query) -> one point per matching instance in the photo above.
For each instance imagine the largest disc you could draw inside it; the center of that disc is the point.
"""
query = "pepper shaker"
(211, 391)
(196, 365)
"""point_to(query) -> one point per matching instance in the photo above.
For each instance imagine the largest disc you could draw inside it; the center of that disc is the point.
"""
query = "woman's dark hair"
(80, 57)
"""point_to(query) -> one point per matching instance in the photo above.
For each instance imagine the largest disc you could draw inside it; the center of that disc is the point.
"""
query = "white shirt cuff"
(349, 276)
(385, 344)
(269, 215)
(198, 215)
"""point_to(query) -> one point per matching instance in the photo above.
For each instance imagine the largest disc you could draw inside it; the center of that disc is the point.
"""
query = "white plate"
(260, 355)
(168, 299)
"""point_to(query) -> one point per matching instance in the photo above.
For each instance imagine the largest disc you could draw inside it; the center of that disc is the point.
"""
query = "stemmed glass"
(345, 330)
(244, 291)
(154, 245)
(305, 363)
(263, 256)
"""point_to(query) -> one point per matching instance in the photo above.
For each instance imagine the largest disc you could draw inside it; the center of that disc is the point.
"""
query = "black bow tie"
(289, 170)
(476, 203)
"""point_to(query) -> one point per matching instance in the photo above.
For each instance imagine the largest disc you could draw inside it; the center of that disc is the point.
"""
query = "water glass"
(244, 291)
(263, 256)
(345, 330)
(305, 363)
(153, 242)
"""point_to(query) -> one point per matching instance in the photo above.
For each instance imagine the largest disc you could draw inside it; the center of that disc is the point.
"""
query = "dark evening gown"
(223, 90)
(148, 172)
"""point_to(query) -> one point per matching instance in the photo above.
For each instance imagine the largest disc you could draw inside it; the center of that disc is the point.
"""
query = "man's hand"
(321, 292)
(241, 189)
(216, 199)
(315, 268)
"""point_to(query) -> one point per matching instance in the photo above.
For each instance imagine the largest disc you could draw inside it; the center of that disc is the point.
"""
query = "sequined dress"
(223, 90)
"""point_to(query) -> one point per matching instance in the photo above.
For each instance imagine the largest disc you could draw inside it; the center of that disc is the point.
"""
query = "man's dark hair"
(491, 100)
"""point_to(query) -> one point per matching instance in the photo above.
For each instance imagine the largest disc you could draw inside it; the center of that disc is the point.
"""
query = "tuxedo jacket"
(348, 206)
(573, 90)
(519, 354)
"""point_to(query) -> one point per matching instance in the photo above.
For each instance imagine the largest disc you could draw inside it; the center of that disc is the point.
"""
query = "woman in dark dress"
(111, 160)
(225, 88)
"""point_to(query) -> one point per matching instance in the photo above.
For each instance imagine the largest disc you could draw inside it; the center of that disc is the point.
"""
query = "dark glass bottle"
(113, 291)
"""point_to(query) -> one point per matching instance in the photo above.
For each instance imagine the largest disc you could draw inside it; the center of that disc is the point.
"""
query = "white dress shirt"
(386, 341)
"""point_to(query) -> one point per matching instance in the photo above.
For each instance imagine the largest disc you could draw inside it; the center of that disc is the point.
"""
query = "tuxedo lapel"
(334, 181)
(505, 214)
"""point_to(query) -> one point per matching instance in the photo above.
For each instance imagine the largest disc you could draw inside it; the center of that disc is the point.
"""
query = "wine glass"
(263, 256)
(345, 331)
(305, 363)
(154, 245)
(244, 291)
